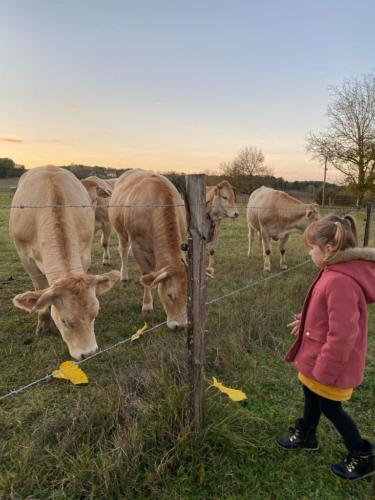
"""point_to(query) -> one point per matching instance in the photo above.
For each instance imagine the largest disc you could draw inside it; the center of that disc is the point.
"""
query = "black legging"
(315, 405)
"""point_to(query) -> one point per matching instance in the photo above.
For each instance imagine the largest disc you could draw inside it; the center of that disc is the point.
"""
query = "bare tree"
(349, 142)
(248, 162)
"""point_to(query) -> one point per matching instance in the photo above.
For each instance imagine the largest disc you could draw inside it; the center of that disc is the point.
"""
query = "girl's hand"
(294, 325)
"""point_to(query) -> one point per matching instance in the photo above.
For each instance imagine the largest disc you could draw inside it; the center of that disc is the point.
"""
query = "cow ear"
(104, 193)
(153, 279)
(102, 188)
(147, 279)
(217, 191)
(310, 211)
(34, 301)
(104, 282)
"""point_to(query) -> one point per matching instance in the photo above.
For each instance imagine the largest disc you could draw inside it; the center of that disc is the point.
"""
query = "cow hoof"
(107, 263)
(125, 282)
(147, 310)
(210, 272)
(284, 268)
(267, 269)
(43, 329)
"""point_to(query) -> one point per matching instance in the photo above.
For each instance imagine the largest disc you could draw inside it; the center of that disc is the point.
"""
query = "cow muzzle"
(175, 326)
(86, 355)
(80, 354)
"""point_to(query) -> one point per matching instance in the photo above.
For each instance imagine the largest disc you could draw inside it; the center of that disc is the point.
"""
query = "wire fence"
(254, 284)
(157, 206)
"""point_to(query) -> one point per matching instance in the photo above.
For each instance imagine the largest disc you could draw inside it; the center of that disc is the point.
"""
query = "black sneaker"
(300, 438)
(356, 465)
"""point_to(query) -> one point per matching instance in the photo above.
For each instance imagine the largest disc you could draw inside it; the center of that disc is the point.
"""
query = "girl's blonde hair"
(340, 232)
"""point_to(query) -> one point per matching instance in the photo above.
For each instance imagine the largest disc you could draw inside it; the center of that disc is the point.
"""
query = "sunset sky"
(175, 85)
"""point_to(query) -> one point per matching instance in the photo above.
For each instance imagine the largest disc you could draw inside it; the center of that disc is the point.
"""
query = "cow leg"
(145, 262)
(283, 264)
(211, 247)
(45, 324)
(104, 241)
(266, 242)
(211, 257)
(123, 249)
(40, 282)
(250, 252)
(148, 305)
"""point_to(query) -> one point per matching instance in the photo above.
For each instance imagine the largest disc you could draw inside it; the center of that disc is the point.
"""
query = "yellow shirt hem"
(326, 391)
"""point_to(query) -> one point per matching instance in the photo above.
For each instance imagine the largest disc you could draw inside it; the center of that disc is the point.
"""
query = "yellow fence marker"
(139, 332)
(70, 371)
(233, 394)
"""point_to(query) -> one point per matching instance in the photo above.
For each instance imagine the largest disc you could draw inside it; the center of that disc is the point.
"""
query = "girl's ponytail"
(338, 237)
(353, 227)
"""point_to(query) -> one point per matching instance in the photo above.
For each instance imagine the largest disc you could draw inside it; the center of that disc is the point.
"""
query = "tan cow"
(275, 215)
(54, 245)
(101, 215)
(221, 203)
(96, 188)
(155, 227)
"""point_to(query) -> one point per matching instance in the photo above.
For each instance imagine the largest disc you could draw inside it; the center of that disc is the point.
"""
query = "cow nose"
(236, 214)
(174, 326)
(88, 354)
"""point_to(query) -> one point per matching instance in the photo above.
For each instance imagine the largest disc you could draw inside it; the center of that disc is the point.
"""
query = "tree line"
(9, 169)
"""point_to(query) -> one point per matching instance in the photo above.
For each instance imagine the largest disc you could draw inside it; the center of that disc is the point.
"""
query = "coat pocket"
(315, 335)
(310, 348)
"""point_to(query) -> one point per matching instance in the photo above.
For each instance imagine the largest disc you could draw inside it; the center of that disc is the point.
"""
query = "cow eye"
(170, 296)
(225, 197)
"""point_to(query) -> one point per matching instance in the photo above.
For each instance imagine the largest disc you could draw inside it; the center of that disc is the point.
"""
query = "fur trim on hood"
(357, 253)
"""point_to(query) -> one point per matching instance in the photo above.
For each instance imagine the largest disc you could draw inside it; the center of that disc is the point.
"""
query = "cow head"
(97, 187)
(171, 283)
(223, 203)
(311, 215)
(74, 307)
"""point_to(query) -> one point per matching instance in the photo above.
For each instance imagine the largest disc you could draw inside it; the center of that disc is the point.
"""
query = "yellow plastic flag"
(233, 394)
(139, 332)
(70, 371)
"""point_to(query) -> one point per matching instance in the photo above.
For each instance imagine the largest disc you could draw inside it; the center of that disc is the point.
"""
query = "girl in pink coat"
(330, 349)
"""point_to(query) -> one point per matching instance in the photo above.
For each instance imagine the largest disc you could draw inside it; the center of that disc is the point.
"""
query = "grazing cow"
(220, 202)
(155, 227)
(101, 217)
(54, 245)
(275, 215)
(97, 188)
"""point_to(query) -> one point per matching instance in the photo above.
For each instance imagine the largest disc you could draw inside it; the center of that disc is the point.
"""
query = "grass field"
(125, 434)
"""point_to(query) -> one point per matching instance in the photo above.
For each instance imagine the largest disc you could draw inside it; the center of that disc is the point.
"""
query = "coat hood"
(359, 264)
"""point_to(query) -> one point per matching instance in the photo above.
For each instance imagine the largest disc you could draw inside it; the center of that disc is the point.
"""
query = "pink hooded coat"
(332, 342)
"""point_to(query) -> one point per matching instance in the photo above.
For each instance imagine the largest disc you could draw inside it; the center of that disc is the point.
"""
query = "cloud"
(10, 139)
(48, 141)
(71, 105)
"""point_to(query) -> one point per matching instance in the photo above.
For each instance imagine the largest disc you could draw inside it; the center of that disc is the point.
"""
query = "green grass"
(125, 434)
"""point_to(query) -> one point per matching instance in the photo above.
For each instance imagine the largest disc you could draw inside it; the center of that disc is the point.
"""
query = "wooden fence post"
(368, 222)
(196, 306)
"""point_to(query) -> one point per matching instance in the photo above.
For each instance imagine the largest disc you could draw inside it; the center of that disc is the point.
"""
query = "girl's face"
(317, 255)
